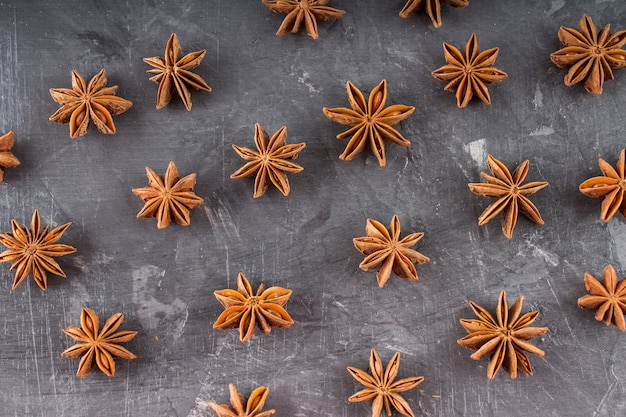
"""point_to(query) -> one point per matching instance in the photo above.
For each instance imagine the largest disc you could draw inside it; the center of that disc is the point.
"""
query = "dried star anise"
(302, 11)
(432, 8)
(7, 159)
(608, 297)
(611, 186)
(253, 407)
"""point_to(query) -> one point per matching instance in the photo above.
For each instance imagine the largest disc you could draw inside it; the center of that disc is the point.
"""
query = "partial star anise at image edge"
(611, 186)
(239, 407)
(302, 11)
(608, 298)
(432, 8)
(7, 159)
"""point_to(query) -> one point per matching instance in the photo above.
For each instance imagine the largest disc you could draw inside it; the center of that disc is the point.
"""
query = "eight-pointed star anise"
(174, 72)
(253, 407)
(511, 194)
(98, 345)
(371, 122)
(608, 297)
(7, 159)
(31, 250)
(299, 11)
(245, 309)
(468, 74)
(506, 337)
(269, 161)
(84, 102)
(432, 7)
(611, 186)
(590, 54)
(168, 197)
(380, 387)
(386, 250)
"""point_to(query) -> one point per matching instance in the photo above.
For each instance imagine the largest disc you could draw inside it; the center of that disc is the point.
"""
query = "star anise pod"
(84, 102)
(506, 337)
(242, 408)
(31, 250)
(511, 194)
(468, 74)
(590, 55)
(371, 122)
(96, 345)
(174, 71)
(246, 310)
(380, 387)
(432, 7)
(168, 197)
(7, 159)
(608, 297)
(270, 161)
(299, 11)
(611, 186)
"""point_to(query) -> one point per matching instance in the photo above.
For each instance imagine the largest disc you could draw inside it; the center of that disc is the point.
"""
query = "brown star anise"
(589, 54)
(31, 250)
(380, 387)
(242, 408)
(246, 310)
(505, 338)
(270, 161)
(85, 101)
(371, 122)
(384, 249)
(173, 71)
(611, 186)
(299, 11)
(511, 194)
(469, 74)
(608, 297)
(432, 7)
(168, 197)
(7, 159)
(98, 346)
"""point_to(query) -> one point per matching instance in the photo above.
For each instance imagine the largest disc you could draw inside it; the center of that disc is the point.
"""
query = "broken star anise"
(253, 407)
(7, 159)
(432, 8)
(608, 297)
(611, 186)
(302, 11)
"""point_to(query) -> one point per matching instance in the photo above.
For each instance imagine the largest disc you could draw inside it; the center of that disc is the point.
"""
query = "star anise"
(242, 408)
(608, 297)
(96, 345)
(506, 338)
(380, 387)
(611, 186)
(384, 249)
(169, 197)
(7, 159)
(173, 71)
(468, 74)
(371, 122)
(85, 101)
(299, 11)
(246, 310)
(31, 250)
(591, 55)
(270, 161)
(511, 194)
(432, 7)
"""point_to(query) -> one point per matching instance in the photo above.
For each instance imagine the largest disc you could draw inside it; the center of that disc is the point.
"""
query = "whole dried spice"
(168, 197)
(242, 408)
(270, 161)
(371, 122)
(432, 8)
(468, 74)
(174, 72)
(608, 297)
(96, 345)
(506, 337)
(246, 310)
(511, 194)
(31, 250)
(589, 55)
(386, 250)
(380, 387)
(7, 159)
(299, 11)
(611, 186)
(84, 102)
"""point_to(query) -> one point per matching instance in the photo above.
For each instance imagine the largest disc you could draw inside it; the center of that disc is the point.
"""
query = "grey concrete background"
(163, 280)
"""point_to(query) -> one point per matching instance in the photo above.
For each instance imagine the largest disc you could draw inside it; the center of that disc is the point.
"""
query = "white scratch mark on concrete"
(556, 5)
(303, 80)
(538, 99)
(477, 151)
(542, 131)
(605, 397)
(547, 256)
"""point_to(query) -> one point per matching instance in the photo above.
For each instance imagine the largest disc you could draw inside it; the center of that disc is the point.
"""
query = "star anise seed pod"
(432, 8)
(7, 159)
(242, 408)
(611, 186)
(302, 11)
(608, 297)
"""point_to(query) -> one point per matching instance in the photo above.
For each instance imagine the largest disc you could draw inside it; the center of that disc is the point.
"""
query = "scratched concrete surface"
(163, 280)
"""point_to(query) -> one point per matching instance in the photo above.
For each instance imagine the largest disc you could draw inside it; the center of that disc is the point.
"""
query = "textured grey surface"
(163, 280)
